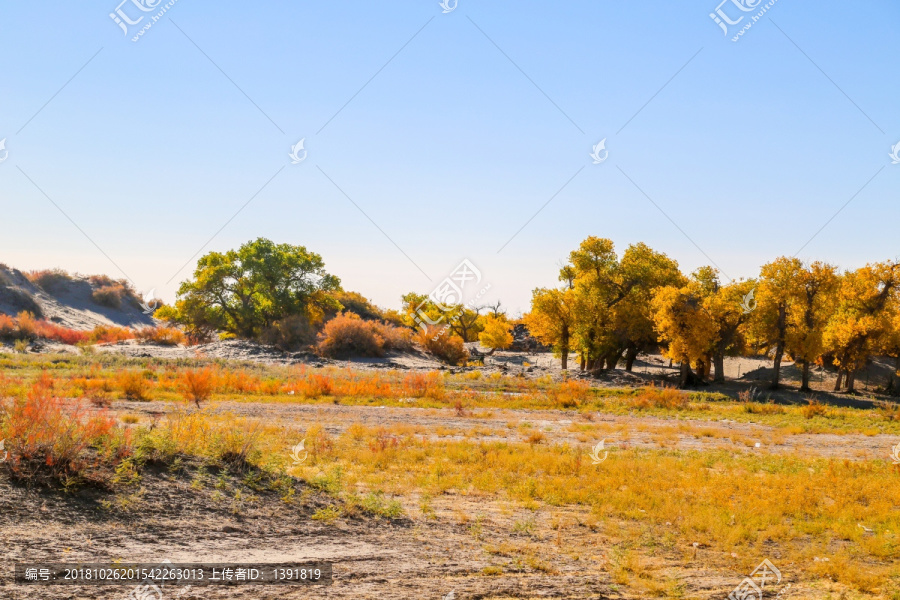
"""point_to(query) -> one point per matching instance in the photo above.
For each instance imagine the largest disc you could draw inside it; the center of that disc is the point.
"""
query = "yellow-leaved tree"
(701, 322)
(863, 318)
(613, 299)
(683, 326)
(812, 302)
(495, 333)
(552, 319)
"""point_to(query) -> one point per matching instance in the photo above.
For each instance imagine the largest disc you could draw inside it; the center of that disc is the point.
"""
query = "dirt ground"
(373, 558)
(414, 557)
(409, 558)
(619, 430)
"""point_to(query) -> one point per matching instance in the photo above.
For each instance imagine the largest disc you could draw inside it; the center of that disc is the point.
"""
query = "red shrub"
(49, 440)
(52, 331)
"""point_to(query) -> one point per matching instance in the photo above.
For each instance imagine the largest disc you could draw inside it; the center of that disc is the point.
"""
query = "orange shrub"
(347, 335)
(424, 385)
(315, 386)
(344, 383)
(813, 408)
(109, 334)
(395, 338)
(8, 328)
(272, 387)
(49, 440)
(197, 385)
(134, 385)
(660, 397)
(443, 345)
(239, 382)
(569, 394)
(26, 325)
(164, 336)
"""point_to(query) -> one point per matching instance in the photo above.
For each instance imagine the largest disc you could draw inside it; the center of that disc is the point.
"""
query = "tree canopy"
(248, 291)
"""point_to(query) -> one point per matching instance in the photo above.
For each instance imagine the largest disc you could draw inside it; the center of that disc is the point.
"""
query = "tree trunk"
(804, 382)
(851, 381)
(893, 386)
(612, 360)
(582, 363)
(685, 374)
(701, 368)
(840, 380)
(720, 368)
(776, 375)
(630, 355)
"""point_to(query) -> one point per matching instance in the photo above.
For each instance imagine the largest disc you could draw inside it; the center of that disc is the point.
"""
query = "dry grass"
(807, 504)
(751, 504)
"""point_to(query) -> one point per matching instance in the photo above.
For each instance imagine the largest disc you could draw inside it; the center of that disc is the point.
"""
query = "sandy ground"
(618, 430)
(69, 304)
(172, 518)
(415, 557)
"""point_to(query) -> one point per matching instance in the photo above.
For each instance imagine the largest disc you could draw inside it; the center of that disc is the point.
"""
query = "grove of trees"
(607, 309)
(610, 308)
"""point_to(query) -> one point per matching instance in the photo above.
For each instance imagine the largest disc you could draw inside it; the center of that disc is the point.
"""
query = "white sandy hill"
(68, 301)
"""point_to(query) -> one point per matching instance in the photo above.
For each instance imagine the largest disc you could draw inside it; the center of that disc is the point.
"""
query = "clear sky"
(450, 131)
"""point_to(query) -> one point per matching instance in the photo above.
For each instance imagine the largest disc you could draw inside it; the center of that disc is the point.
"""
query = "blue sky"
(482, 117)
